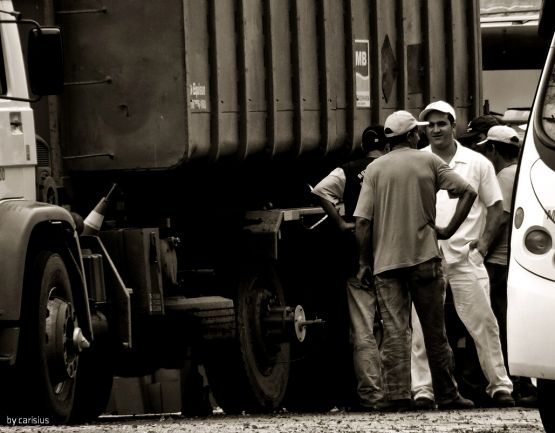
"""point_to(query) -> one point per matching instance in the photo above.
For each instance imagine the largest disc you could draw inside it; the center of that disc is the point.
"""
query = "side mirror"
(45, 61)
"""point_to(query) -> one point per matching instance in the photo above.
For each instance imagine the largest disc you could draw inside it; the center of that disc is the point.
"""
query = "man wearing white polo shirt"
(463, 257)
(397, 234)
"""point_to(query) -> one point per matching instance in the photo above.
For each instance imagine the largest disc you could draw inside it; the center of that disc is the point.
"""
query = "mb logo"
(361, 58)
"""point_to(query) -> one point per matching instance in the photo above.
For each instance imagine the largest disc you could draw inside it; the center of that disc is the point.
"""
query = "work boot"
(400, 405)
(459, 403)
(503, 399)
(528, 401)
(423, 403)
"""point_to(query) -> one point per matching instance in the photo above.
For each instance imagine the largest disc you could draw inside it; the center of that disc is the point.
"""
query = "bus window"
(3, 82)
(548, 109)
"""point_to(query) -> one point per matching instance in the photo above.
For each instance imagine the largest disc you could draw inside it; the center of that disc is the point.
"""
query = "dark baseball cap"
(373, 137)
(480, 125)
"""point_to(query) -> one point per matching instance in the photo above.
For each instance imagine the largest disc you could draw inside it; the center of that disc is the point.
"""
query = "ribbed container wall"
(218, 80)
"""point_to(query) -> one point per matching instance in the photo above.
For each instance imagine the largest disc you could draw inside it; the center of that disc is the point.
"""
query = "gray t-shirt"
(499, 251)
(399, 195)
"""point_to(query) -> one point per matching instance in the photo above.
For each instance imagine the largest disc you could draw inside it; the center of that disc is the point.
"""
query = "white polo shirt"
(478, 171)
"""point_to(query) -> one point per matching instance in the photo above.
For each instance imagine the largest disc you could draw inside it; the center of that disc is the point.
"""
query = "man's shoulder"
(508, 174)
(426, 153)
(356, 163)
(470, 155)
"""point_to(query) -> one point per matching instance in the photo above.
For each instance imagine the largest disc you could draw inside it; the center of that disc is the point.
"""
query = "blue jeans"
(362, 303)
(425, 286)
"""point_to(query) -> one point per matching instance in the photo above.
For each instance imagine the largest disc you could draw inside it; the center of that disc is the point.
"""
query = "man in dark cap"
(477, 130)
(343, 185)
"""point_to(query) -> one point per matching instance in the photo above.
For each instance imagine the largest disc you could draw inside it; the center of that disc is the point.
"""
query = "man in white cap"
(502, 147)
(463, 255)
(397, 237)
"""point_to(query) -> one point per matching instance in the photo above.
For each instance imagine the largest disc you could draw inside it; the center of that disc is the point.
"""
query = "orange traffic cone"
(94, 220)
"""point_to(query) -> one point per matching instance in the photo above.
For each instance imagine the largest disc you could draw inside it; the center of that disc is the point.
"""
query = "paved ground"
(516, 420)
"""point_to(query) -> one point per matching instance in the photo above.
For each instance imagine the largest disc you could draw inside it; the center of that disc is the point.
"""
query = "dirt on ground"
(517, 420)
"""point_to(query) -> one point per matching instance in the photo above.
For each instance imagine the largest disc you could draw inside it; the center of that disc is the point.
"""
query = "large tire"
(250, 372)
(314, 269)
(44, 379)
(546, 404)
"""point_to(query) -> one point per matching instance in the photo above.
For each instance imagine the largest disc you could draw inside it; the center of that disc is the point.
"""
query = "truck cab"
(43, 294)
(18, 156)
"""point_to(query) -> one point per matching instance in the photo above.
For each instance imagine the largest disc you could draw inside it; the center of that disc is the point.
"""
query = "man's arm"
(333, 214)
(330, 191)
(364, 240)
(461, 212)
(493, 221)
(504, 220)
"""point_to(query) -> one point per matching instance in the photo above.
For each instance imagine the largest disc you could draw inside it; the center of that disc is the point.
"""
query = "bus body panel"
(531, 281)
(531, 349)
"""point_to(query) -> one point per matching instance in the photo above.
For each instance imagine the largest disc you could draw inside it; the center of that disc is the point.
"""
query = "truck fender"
(262, 233)
(25, 225)
(262, 228)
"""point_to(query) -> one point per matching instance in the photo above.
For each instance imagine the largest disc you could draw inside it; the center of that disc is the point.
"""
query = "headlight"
(538, 241)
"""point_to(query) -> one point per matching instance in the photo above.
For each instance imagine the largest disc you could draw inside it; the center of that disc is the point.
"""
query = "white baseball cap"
(502, 134)
(441, 106)
(399, 123)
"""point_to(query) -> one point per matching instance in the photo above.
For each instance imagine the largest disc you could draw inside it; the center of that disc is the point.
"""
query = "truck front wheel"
(47, 359)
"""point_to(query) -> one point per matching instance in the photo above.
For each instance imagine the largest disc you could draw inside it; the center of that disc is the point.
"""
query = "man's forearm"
(493, 221)
(364, 240)
(461, 211)
(331, 212)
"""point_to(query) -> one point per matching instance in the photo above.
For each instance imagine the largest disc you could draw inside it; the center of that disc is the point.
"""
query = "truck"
(155, 205)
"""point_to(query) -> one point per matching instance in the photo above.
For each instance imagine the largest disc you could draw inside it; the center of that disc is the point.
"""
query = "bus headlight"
(538, 241)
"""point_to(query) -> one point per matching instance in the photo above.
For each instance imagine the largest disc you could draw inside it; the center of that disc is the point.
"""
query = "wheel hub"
(265, 347)
(61, 335)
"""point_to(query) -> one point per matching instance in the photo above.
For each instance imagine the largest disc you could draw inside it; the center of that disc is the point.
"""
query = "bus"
(531, 280)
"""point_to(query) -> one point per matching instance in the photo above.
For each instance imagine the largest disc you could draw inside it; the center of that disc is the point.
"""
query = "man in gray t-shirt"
(396, 225)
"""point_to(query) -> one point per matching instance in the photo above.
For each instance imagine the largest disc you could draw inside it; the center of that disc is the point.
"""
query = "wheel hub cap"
(61, 350)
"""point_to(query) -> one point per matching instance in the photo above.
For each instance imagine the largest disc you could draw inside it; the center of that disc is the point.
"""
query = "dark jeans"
(424, 284)
(498, 295)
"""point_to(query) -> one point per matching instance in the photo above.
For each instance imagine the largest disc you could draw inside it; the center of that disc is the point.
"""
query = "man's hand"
(364, 273)
(479, 245)
(346, 227)
(442, 233)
